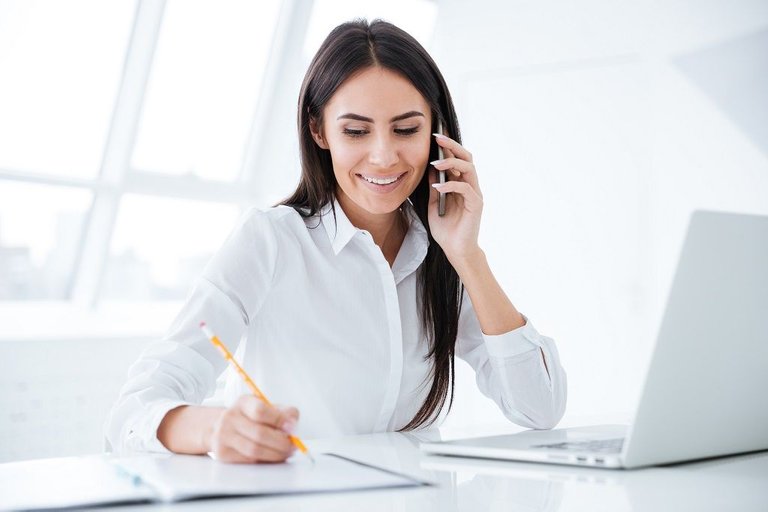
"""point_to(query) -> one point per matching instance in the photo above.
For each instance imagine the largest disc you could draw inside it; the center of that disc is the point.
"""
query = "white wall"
(597, 127)
(55, 394)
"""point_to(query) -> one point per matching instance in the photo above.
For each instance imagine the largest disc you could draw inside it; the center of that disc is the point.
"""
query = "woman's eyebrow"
(412, 113)
(358, 117)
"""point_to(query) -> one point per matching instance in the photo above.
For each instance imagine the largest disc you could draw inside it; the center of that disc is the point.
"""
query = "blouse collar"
(340, 231)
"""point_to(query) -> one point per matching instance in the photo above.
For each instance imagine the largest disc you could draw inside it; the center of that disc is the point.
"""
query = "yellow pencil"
(254, 388)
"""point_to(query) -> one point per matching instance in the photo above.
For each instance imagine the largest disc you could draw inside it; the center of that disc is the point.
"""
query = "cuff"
(144, 437)
(513, 343)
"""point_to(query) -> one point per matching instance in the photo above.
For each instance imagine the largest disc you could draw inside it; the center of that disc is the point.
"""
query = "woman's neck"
(387, 229)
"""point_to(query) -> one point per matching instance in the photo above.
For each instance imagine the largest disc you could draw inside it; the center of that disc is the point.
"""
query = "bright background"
(133, 133)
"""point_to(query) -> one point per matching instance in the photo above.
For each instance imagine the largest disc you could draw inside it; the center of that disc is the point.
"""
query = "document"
(66, 482)
(166, 478)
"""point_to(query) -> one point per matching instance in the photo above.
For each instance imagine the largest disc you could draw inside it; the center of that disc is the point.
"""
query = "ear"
(316, 133)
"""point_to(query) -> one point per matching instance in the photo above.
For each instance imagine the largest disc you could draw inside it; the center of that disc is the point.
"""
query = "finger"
(265, 435)
(458, 168)
(289, 418)
(447, 153)
(253, 451)
(256, 410)
(433, 194)
(453, 147)
(290, 413)
(460, 187)
(472, 200)
(433, 178)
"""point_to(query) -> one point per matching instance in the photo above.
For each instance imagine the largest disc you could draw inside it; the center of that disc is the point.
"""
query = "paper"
(66, 482)
(99, 480)
(180, 477)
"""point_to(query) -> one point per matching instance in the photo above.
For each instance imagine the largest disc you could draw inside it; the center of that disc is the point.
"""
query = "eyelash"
(405, 132)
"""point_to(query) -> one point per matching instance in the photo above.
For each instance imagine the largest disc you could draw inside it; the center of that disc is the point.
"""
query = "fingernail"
(289, 426)
(437, 162)
(440, 135)
(438, 185)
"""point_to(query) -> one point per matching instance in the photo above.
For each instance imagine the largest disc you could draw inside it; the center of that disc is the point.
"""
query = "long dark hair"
(349, 48)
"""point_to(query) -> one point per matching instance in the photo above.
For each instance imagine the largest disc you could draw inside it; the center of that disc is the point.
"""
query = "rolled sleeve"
(519, 370)
(140, 434)
(512, 343)
(167, 375)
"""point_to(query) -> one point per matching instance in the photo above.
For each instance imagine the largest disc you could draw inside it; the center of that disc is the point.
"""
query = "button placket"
(392, 306)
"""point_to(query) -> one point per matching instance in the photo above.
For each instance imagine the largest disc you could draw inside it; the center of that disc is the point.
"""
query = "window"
(61, 65)
(203, 87)
(56, 96)
(40, 230)
(160, 245)
(128, 131)
(92, 209)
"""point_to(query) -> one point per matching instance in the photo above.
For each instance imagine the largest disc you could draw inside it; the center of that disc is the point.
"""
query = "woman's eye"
(354, 133)
(406, 131)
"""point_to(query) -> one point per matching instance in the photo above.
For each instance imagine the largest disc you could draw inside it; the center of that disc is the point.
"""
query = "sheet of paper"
(179, 477)
(67, 482)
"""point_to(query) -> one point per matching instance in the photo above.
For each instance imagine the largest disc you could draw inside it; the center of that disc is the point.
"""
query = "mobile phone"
(441, 174)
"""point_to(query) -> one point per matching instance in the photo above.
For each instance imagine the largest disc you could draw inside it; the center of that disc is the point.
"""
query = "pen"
(254, 388)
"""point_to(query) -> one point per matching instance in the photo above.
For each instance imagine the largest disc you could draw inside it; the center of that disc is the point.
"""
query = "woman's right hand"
(252, 431)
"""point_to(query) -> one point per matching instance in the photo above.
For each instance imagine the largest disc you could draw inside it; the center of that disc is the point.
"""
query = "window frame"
(82, 314)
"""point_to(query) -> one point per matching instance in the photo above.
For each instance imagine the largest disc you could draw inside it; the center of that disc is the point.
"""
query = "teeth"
(380, 181)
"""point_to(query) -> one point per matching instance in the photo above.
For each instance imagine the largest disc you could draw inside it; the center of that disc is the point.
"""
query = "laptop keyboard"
(598, 446)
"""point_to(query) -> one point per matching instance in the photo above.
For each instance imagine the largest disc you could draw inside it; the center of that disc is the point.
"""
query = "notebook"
(704, 393)
(101, 480)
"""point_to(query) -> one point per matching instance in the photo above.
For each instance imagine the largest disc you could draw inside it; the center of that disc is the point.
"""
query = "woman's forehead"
(377, 92)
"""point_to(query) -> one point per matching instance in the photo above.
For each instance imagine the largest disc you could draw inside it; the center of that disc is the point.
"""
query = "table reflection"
(732, 483)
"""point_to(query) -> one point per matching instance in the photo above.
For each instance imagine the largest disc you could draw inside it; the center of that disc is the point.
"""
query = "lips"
(382, 184)
(382, 180)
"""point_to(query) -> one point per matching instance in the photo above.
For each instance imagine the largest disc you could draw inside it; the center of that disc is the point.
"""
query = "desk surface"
(733, 483)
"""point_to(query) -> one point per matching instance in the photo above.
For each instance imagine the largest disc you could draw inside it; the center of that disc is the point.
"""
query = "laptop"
(706, 390)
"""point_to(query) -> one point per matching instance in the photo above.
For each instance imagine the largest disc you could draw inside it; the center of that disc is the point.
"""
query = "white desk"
(734, 483)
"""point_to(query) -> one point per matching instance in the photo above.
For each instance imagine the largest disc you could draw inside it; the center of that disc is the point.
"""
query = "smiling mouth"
(381, 180)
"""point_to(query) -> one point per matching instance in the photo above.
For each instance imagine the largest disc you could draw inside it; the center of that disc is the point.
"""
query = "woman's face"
(377, 128)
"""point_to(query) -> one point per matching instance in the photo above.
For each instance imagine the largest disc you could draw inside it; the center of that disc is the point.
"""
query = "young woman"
(350, 299)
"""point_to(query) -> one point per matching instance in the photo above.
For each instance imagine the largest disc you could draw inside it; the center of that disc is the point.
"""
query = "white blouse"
(319, 320)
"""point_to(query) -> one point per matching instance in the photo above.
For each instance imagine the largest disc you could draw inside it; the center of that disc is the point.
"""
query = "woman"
(350, 299)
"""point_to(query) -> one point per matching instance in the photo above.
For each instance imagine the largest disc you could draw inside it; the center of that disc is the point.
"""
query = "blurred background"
(134, 132)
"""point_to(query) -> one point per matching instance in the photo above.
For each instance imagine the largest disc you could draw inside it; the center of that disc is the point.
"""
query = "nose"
(383, 152)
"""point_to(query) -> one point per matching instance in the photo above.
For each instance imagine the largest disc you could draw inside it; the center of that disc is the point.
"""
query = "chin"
(381, 207)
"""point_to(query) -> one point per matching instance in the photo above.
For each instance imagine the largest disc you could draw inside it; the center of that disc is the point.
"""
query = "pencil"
(254, 388)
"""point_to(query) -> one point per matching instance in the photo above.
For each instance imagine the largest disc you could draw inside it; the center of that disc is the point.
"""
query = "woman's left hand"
(457, 231)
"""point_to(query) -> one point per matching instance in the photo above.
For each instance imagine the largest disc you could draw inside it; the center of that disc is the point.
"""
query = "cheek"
(418, 158)
(344, 157)
(418, 154)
